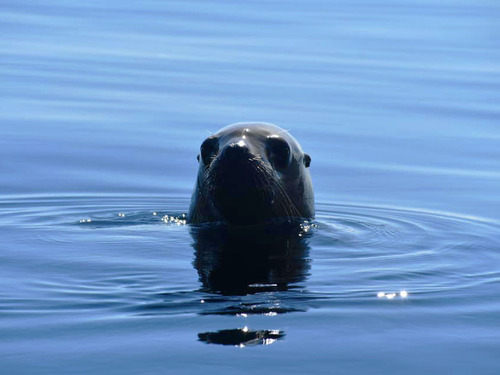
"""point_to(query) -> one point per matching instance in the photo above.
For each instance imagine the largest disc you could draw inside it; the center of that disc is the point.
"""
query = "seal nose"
(237, 151)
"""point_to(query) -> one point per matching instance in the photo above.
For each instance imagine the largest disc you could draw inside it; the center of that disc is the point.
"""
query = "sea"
(104, 105)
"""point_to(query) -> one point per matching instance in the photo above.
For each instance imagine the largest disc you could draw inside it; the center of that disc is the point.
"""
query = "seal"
(250, 173)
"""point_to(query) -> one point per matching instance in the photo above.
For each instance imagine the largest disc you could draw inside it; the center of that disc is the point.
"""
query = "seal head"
(250, 173)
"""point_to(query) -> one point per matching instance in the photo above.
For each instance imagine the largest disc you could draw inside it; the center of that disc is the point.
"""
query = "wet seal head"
(250, 173)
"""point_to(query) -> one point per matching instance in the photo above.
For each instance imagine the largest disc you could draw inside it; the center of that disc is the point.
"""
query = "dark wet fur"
(261, 176)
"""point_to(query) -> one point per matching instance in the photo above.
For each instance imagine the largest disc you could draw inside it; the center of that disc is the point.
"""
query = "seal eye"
(208, 149)
(278, 152)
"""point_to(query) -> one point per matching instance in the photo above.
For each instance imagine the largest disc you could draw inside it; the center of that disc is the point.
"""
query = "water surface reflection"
(265, 260)
(241, 261)
(241, 337)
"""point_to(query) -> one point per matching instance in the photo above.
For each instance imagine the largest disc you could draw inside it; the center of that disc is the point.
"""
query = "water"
(104, 106)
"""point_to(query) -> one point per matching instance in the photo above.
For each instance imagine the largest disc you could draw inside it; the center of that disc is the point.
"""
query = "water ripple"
(119, 262)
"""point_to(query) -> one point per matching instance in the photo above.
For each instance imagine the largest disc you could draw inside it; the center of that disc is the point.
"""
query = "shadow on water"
(246, 271)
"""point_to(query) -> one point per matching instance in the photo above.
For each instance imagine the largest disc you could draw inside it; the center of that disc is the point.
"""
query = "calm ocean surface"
(103, 108)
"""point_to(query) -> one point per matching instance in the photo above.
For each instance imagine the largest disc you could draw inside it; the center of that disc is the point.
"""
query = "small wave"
(123, 262)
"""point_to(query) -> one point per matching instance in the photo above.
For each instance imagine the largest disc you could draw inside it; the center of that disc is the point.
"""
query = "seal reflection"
(247, 260)
(241, 337)
(250, 270)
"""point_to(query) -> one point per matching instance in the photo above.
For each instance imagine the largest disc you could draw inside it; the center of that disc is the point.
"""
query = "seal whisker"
(261, 177)
(286, 203)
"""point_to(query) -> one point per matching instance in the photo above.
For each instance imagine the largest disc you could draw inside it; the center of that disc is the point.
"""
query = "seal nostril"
(236, 151)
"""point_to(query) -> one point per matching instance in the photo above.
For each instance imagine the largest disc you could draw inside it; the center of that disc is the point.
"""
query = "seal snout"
(235, 167)
(238, 188)
(235, 152)
(235, 164)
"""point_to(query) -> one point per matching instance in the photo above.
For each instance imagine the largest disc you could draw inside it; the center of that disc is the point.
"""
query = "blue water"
(104, 106)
